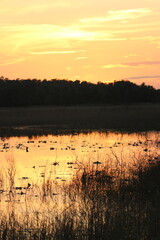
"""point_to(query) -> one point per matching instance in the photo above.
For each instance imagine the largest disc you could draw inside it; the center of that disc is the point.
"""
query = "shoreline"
(140, 117)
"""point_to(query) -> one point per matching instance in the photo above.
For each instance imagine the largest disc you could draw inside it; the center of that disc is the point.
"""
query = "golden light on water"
(61, 157)
(42, 178)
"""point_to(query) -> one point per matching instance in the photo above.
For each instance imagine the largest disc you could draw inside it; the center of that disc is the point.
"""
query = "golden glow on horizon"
(121, 40)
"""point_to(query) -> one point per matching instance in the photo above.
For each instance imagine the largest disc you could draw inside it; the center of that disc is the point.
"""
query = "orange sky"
(93, 40)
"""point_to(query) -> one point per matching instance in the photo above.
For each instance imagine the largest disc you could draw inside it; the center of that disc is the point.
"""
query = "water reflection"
(60, 157)
(51, 178)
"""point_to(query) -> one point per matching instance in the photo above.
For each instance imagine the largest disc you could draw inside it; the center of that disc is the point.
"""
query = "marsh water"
(60, 157)
(36, 172)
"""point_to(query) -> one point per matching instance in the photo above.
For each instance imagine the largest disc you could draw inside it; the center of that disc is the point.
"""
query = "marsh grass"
(94, 205)
(11, 173)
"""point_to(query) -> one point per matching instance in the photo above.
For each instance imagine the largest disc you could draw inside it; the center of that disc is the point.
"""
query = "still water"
(61, 157)
(43, 182)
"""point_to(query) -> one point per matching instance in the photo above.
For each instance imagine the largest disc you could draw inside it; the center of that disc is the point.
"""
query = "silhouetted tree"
(27, 92)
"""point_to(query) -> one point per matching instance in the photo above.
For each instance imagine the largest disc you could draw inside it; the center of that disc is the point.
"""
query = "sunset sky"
(89, 40)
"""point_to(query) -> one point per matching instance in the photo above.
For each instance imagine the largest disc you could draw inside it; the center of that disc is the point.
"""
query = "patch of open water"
(38, 166)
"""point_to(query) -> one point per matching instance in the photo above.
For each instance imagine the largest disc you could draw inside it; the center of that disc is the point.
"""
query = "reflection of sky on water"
(45, 164)
(60, 157)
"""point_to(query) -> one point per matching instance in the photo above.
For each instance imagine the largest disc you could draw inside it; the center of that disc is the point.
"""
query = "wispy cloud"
(81, 58)
(48, 31)
(42, 39)
(143, 77)
(120, 15)
(115, 66)
(143, 63)
(52, 52)
(132, 64)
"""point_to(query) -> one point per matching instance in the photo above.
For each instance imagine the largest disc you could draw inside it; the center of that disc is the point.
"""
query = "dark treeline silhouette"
(33, 92)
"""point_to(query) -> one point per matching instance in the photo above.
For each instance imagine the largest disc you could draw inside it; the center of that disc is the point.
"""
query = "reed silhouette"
(102, 207)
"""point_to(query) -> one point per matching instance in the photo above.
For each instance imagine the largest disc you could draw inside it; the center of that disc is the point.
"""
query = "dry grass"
(95, 206)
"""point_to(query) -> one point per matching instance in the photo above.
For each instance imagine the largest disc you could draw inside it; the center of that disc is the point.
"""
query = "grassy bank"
(98, 206)
(120, 117)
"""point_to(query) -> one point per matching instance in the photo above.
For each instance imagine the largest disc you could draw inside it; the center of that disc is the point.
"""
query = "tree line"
(34, 92)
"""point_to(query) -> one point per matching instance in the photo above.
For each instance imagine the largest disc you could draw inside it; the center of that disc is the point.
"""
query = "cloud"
(42, 39)
(50, 38)
(132, 64)
(143, 63)
(52, 52)
(48, 31)
(115, 66)
(81, 58)
(120, 15)
(143, 77)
